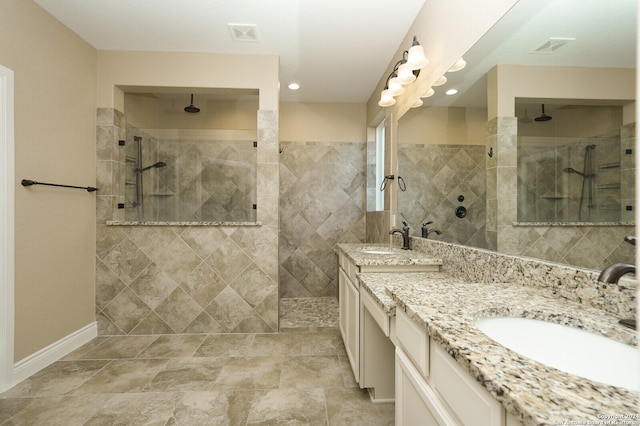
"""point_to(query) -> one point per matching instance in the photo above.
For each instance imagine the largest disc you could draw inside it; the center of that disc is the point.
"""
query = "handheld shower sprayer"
(157, 165)
(572, 170)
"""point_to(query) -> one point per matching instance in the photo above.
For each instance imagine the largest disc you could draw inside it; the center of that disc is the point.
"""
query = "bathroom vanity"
(365, 327)
(448, 372)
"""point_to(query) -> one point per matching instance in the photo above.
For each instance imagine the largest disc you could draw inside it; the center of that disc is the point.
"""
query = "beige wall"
(150, 112)
(55, 104)
(323, 122)
(507, 82)
(176, 69)
(443, 125)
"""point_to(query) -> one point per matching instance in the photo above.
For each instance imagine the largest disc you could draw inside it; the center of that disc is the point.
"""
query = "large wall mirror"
(190, 155)
(556, 184)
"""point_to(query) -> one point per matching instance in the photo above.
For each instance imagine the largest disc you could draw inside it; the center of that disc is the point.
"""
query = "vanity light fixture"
(395, 87)
(442, 80)
(416, 59)
(405, 71)
(429, 93)
(460, 64)
(386, 100)
(417, 104)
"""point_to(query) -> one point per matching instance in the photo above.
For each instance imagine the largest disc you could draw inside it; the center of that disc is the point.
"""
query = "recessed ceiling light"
(293, 86)
(451, 92)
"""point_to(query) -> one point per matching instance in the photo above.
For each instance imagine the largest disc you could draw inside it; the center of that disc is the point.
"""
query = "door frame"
(7, 246)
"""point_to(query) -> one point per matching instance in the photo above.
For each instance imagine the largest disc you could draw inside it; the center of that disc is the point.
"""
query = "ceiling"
(603, 33)
(336, 50)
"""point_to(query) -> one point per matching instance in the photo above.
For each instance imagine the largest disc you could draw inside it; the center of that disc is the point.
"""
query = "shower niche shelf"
(612, 165)
(604, 186)
(553, 196)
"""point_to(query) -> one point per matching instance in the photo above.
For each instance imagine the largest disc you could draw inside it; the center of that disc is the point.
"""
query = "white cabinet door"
(342, 306)
(350, 321)
(416, 403)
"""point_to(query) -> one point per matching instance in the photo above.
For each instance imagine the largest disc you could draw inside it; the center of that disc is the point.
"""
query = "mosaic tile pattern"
(199, 379)
(185, 279)
(308, 313)
(435, 176)
(322, 203)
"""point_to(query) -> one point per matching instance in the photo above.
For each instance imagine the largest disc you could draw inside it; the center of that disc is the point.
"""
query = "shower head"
(191, 109)
(158, 165)
(572, 170)
(543, 117)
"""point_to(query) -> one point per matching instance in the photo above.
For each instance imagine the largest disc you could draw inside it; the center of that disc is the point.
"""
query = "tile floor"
(300, 376)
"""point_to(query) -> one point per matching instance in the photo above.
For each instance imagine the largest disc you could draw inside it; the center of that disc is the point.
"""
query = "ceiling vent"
(244, 32)
(551, 45)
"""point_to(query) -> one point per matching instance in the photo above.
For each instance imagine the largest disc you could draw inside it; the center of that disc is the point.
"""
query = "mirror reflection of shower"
(578, 166)
(588, 175)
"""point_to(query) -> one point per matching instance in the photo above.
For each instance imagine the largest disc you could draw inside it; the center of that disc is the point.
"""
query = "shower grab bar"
(29, 182)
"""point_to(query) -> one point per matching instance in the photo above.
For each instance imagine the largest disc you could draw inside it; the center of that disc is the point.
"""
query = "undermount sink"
(376, 250)
(568, 349)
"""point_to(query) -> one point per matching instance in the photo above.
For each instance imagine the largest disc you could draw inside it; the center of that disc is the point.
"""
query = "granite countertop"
(178, 223)
(358, 255)
(539, 395)
(380, 286)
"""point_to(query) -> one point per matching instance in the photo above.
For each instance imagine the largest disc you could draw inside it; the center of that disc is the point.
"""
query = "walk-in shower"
(178, 179)
(139, 172)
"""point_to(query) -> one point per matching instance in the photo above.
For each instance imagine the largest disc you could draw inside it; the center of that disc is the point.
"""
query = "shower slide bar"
(29, 182)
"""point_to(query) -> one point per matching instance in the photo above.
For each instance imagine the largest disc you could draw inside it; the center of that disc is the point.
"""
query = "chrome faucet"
(405, 234)
(612, 274)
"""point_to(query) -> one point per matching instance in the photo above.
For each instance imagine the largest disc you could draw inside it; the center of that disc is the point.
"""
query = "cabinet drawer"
(466, 398)
(376, 312)
(414, 341)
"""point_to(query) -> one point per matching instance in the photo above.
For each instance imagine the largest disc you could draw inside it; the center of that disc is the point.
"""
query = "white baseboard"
(52, 353)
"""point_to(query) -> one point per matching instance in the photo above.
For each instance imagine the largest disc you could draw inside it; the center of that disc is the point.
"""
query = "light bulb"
(440, 81)
(416, 59)
(461, 63)
(429, 93)
(386, 99)
(394, 87)
(405, 74)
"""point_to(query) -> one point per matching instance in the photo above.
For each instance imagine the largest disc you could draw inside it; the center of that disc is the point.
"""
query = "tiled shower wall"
(547, 194)
(186, 279)
(435, 176)
(204, 180)
(322, 203)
